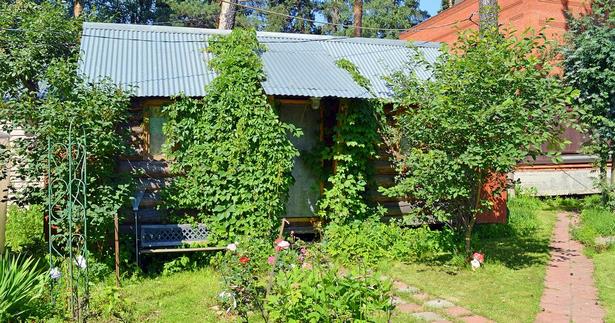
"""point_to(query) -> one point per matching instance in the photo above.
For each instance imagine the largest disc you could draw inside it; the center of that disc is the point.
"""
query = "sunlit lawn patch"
(603, 275)
(508, 288)
(181, 297)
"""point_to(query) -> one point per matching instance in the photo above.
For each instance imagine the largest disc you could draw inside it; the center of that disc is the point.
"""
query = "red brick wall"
(519, 14)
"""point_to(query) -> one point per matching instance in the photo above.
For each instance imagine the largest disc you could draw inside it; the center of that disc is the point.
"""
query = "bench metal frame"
(167, 238)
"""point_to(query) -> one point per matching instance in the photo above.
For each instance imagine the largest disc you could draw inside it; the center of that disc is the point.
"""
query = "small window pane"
(156, 136)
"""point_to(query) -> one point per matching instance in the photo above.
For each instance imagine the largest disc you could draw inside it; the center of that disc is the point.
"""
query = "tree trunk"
(4, 183)
(475, 212)
(488, 13)
(358, 17)
(77, 8)
(227, 14)
(612, 179)
(335, 17)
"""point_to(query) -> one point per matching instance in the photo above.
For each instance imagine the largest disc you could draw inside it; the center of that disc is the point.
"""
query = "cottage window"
(154, 122)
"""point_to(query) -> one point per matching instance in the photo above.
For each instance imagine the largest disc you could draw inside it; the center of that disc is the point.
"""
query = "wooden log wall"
(151, 173)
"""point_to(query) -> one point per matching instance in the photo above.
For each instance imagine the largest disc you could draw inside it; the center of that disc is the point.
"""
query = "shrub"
(372, 241)
(21, 285)
(24, 229)
(302, 286)
(320, 294)
(451, 135)
(522, 219)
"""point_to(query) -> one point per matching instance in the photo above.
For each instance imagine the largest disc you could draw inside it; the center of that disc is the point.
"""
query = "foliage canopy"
(491, 101)
(43, 94)
(590, 67)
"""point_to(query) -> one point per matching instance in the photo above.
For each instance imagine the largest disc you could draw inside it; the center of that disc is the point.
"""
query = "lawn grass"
(509, 287)
(189, 297)
(180, 297)
(603, 275)
(596, 222)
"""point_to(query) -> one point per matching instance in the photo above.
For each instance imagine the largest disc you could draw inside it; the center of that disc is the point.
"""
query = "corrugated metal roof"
(162, 61)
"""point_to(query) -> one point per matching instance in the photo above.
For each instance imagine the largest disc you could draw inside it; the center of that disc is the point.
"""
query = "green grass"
(184, 297)
(603, 275)
(509, 287)
(596, 222)
(181, 297)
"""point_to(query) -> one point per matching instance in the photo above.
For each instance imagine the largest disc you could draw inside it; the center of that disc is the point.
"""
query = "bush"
(21, 285)
(234, 152)
(302, 286)
(320, 294)
(372, 241)
(24, 229)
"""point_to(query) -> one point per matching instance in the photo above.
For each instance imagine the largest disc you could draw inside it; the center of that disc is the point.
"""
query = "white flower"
(231, 247)
(226, 297)
(55, 273)
(475, 264)
(81, 262)
(223, 296)
(283, 244)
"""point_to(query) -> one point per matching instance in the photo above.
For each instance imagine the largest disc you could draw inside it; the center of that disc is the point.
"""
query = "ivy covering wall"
(233, 151)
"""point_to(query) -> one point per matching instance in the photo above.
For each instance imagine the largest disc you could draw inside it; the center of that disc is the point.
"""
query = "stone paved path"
(569, 295)
(427, 308)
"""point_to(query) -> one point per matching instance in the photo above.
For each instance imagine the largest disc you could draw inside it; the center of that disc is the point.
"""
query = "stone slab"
(428, 316)
(439, 303)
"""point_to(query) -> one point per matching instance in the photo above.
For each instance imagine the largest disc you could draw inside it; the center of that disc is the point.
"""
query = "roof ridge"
(268, 34)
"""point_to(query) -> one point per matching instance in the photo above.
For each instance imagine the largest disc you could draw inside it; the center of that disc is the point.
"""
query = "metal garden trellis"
(67, 221)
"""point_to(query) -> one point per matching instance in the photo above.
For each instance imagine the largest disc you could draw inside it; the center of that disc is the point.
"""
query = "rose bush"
(296, 282)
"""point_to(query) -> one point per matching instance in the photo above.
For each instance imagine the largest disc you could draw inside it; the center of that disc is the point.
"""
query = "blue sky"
(432, 6)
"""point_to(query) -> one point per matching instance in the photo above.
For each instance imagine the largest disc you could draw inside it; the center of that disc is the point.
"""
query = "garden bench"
(168, 238)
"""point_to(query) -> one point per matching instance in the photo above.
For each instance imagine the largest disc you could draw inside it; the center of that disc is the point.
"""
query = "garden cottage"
(303, 82)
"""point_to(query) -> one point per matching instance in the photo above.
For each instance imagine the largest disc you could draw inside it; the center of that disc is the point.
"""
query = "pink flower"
(479, 257)
(283, 245)
(303, 251)
(271, 260)
(231, 247)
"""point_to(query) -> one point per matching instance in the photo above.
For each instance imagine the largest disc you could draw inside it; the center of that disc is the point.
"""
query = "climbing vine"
(355, 145)
(233, 151)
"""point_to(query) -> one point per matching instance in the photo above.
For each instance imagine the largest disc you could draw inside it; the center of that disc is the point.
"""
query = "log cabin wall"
(151, 170)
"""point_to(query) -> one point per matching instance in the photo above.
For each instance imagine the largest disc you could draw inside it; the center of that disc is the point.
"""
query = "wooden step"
(397, 208)
(374, 196)
(384, 180)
